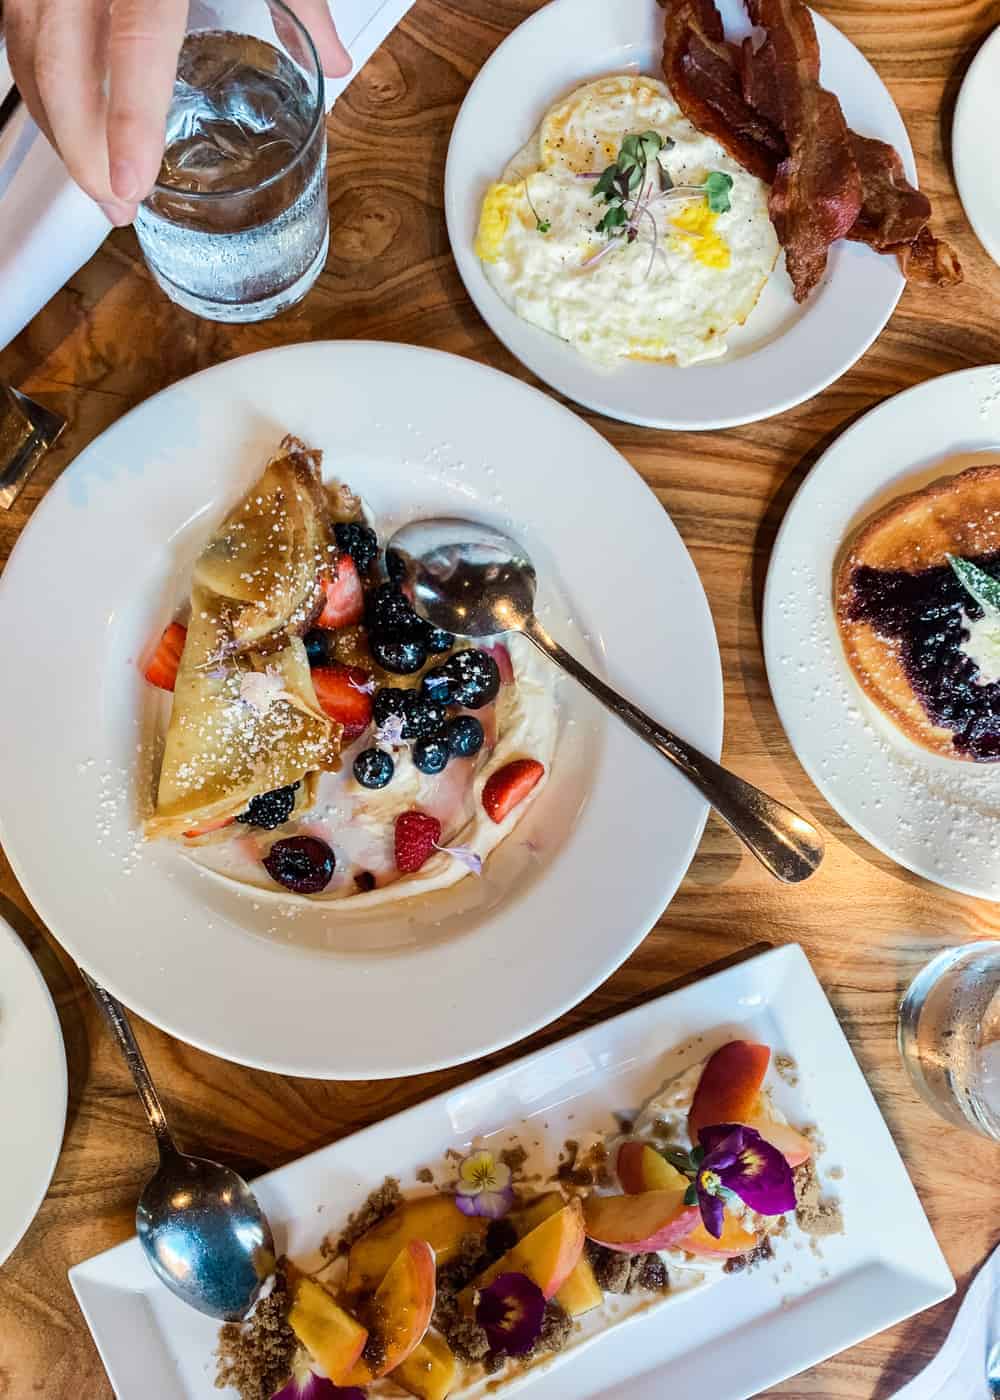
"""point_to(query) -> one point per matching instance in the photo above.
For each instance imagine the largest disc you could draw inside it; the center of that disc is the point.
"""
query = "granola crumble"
(255, 1357)
(380, 1203)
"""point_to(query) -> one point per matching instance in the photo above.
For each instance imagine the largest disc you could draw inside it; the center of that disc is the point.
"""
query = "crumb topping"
(380, 1203)
(817, 1215)
(255, 1357)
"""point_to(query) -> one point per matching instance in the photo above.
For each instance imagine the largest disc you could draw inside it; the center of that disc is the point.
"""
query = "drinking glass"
(949, 1035)
(236, 227)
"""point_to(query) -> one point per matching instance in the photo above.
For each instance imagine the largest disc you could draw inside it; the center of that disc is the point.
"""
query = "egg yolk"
(494, 218)
(695, 225)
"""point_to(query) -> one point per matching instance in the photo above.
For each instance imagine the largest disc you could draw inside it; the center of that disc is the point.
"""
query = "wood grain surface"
(110, 339)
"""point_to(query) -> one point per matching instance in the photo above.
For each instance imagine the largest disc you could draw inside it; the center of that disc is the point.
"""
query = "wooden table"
(110, 339)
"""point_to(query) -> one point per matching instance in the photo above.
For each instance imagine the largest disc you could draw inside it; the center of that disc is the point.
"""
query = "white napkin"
(958, 1372)
(49, 228)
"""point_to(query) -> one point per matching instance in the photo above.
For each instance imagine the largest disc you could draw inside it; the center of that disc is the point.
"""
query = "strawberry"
(162, 668)
(344, 603)
(417, 834)
(501, 656)
(510, 785)
(206, 827)
(339, 695)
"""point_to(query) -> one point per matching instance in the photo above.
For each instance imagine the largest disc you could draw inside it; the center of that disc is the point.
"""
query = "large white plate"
(748, 1333)
(32, 1088)
(299, 988)
(786, 353)
(937, 816)
(977, 111)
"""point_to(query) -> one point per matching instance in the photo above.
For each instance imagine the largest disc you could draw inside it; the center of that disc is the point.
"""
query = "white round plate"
(288, 985)
(32, 1088)
(785, 353)
(937, 816)
(977, 120)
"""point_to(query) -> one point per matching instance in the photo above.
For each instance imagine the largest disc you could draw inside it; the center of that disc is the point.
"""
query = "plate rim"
(297, 1066)
(591, 401)
(988, 52)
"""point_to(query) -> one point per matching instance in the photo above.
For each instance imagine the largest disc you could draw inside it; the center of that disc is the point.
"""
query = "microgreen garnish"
(982, 587)
(717, 188)
(542, 225)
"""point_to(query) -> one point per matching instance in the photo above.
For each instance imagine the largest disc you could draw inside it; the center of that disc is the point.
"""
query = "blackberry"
(424, 719)
(390, 700)
(357, 541)
(464, 736)
(374, 768)
(431, 755)
(396, 653)
(476, 676)
(436, 640)
(270, 809)
(303, 864)
(389, 611)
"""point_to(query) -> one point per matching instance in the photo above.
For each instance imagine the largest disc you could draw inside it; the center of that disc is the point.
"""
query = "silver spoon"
(474, 581)
(201, 1227)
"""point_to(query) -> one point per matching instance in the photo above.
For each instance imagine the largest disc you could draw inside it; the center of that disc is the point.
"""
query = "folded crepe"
(245, 717)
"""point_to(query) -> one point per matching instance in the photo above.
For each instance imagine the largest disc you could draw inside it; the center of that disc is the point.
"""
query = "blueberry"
(374, 768)
(398, 654)
(319, 646)
(436, 640)
(439, 686)
(476, 676)
(464, 736)
(357, 541)
(424, 719)
(388, 701)
(302, 863)
(270, 809)
(389, 611)
(431, 755)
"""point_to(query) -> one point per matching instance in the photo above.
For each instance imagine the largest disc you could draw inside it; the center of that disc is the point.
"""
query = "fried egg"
(673, 291)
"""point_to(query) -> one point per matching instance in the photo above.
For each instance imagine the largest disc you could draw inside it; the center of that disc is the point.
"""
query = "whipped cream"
(982, 646)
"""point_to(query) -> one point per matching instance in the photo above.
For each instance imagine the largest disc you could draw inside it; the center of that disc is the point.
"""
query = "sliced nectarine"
(548, 1254)
(526, 1217)
(729, 1084)
(400, 1313)
(430, 1371)
(330, 1335)
(795, 1148)
(581, 1291)
(436, 1219)
(638, 1224)
(641, 1168)
(733, 1240)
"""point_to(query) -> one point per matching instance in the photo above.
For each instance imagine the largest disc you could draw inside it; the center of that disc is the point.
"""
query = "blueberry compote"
(922, 612)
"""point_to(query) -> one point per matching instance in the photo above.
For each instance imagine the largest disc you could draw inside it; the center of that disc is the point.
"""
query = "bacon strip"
(930, 261)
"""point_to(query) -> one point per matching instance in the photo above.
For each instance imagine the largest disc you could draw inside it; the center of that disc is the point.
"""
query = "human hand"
(110, 133)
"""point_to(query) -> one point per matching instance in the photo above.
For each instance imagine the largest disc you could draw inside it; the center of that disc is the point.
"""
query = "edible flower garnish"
(364, 688)
(982, 587)
(390, 731)
(510, 1311)
(465, 855)
(262, 689)
(304, 1384)
(484, 1186)
(735, 1161)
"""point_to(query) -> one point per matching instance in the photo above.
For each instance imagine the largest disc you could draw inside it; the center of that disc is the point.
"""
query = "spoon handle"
(120, 1027)
(785, 843)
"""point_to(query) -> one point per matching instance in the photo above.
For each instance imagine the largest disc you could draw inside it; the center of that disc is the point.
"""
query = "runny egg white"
(671, 293)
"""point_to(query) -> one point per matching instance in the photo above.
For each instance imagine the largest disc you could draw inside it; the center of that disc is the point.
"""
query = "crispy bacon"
(759, 81)
(930, 261)
(892, 211)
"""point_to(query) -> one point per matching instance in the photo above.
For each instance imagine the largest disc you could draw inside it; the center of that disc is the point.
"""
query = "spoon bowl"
(474, 581)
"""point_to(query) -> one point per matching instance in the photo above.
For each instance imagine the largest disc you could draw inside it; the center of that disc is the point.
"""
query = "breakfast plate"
(978, 110)
(32, 1088)
(788, 1313)
(936, 815)
(786, 352)
(283, 983)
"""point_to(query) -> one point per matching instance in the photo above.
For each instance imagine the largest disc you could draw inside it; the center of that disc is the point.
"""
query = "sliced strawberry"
(344, 603)
(510, 785)
(206, 827)
(341, 693)
(505, 666)
(162, 669)
(417, 834)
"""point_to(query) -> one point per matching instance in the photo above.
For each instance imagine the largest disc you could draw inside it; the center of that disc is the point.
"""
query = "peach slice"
(639, 1224)
(430, 1371)
(581, 1291)
(548, 1254)
(330, 1335)
(641, 1168)
(729, 1084)
(436, 1219)
(795, 1148)
(400, 1313)
(733, 1240)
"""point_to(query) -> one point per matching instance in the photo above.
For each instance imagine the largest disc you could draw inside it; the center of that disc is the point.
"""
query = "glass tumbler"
(237, 226)
(949, 1035)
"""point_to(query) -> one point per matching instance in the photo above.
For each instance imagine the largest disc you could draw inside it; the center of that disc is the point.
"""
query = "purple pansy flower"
(484, 1186)
(305, 1384)
(510, 1311)
(738, 1162)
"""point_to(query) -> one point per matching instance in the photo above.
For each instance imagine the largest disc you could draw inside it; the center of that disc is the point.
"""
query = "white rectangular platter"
(805, 1304)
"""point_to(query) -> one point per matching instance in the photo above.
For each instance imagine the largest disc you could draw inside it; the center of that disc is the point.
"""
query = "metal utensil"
(993, 1370)
(9, 105)
(476, 582)
(199, 1223)
(27, 431)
